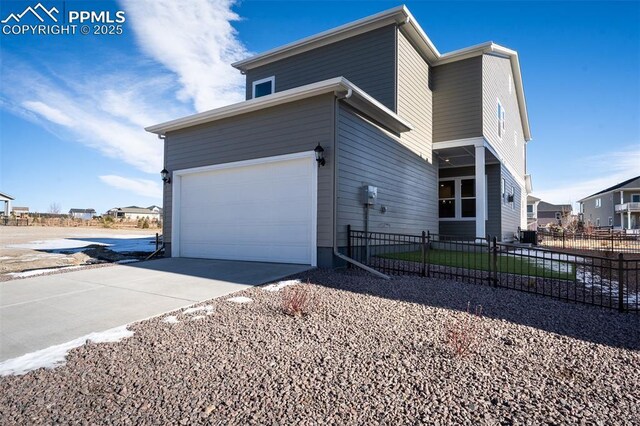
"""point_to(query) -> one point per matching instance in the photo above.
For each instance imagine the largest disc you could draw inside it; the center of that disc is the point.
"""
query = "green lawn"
(508, 264)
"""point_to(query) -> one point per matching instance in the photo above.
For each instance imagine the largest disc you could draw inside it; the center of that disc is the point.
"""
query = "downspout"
(335, 193)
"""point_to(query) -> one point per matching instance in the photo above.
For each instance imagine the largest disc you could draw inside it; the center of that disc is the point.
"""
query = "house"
(84, 214)
(6, 200)
(532, 212)
(133, 213)
(367, 125)
(552, 214)
(617, 207)
(155, 208)
(20, 211)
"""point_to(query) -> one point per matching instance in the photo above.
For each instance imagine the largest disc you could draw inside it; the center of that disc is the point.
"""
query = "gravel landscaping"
(371, 351)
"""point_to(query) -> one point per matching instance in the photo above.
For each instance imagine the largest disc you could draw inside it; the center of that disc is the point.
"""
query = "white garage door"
(260, 210)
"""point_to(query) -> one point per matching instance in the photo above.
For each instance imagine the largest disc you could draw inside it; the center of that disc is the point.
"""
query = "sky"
(73, 107)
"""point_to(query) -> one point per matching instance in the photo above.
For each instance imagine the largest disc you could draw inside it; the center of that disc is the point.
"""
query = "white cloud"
(614, 167)
(143, 187)
(48, 112)
(201, 58)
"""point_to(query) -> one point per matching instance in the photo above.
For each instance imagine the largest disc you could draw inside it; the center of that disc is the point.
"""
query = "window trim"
(501, 119)
(458, 198)
(271, 79)
(598, 203)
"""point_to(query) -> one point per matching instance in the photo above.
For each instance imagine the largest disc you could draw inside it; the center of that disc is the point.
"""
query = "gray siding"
(592, 213)
(285, 129)
(415, 99)
(496, 72)
(511, 212)
(368, 155)
(463, 229)
(457, 100)
(367, 60)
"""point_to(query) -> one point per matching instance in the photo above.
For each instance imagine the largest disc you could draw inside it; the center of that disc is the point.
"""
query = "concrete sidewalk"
(39, 312)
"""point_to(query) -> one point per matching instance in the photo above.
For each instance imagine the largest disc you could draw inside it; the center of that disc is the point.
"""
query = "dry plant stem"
(462, 334)
(297, 300)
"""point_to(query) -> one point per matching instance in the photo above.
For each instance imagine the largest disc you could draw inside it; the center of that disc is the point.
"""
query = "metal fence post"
(620, 282)
(424, 253)
(495, 261)
(428, 250)
(349, 254)
(157, 241)
(563, 240)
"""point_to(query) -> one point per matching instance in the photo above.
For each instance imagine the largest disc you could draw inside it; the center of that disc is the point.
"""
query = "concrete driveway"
(39, 312)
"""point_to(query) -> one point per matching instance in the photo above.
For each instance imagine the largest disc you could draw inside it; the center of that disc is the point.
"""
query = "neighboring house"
(156, 209)
(20, 211)
(426, 141)
(532, 212)
(84, 214)
(552, 214)
(6, 200)
(133, 213)
(617, 207)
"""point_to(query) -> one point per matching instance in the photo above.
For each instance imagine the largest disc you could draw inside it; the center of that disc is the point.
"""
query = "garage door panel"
(260, 212)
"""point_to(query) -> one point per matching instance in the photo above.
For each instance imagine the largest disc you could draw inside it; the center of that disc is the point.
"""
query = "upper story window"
(457, 198)
(264, 87)
(529, 208)
(598, 202)
(501, 120)
(635, 198)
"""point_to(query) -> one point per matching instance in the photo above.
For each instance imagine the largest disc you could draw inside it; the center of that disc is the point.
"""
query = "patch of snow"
(171, 319)
(37, 272)
(117, 243)
(124, 261)
(207, 308)
(197, 317)
(240, 299)
(55, 356)
(280, 285)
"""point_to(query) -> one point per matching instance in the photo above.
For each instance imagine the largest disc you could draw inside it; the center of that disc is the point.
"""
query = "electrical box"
(370, 195)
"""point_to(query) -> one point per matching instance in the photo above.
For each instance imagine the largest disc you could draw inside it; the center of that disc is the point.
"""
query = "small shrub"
(145, 223)
(462, 334)
(297, 300)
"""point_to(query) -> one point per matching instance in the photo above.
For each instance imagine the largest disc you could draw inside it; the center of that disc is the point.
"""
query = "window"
(512, 196)
(457, 198)
(264, 87)
(610, 221)
(500, 120)
(529, 208)
(597, 221)
(598, 202)
(447, 198)
(503, 190)
(635, 198)
(558, 215)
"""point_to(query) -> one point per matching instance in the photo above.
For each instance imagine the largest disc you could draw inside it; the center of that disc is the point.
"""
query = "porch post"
(480, 193)
(628, 218)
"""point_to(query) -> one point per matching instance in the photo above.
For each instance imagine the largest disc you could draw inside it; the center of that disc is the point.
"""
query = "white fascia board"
(395, 15)
(338, 85)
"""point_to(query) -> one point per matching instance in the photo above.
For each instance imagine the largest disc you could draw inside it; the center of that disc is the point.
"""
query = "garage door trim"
(177, 187)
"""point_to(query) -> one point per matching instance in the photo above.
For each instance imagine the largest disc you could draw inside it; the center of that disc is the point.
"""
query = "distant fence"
(14, 221)
(610, 282)
(610, 241)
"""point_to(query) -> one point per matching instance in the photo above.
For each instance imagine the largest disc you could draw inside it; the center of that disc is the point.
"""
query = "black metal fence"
(608, 241)
(611, 282)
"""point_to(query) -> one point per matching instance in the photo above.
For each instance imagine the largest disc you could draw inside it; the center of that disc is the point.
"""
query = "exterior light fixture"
(319, 155)
(165, 176)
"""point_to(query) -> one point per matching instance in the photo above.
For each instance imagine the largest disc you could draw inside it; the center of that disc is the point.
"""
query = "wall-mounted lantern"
(319, 155)
(165, 176)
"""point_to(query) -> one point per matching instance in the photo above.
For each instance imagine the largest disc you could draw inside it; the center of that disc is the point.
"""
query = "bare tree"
(55, 208)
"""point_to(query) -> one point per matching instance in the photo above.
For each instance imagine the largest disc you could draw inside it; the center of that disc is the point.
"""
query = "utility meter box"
(370, 195)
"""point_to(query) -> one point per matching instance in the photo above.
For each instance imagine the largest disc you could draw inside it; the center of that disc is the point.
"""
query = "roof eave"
(339, 86)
